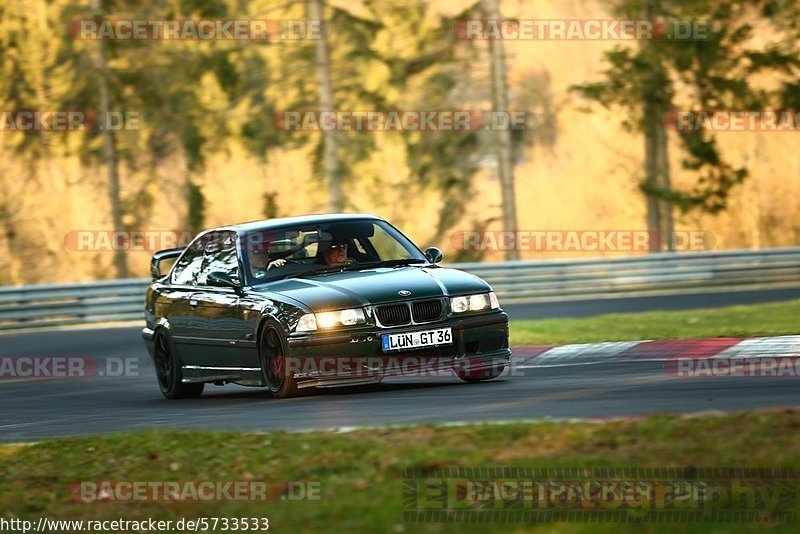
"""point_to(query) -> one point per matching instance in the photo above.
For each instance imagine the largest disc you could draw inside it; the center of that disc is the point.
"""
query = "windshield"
(298, 251)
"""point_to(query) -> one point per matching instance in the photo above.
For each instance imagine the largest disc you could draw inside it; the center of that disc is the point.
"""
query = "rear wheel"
(481, 376)
(272, 354)
(168, 371)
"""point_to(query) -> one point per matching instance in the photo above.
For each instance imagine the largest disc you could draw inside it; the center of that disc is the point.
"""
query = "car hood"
(375, 286)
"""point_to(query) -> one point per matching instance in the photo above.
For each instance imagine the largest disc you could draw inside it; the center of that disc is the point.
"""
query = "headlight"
(310, 322)
(479, 302)
(458, 304)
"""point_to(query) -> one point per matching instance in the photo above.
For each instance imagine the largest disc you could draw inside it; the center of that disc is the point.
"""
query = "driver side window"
(188, 266)
(220, 255)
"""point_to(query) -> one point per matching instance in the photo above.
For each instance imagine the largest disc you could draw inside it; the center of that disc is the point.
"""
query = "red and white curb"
(722, 349)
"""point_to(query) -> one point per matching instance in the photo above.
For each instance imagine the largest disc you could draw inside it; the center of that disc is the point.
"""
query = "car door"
(220, 332)
(182, 288)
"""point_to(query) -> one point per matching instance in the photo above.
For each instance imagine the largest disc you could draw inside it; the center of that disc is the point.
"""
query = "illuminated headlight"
(347, 317)
(482, 301)
(478, 302)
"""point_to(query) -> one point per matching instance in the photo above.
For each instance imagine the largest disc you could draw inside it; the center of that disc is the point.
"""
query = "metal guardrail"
(651, 274)
(66, 304)
(69, 304)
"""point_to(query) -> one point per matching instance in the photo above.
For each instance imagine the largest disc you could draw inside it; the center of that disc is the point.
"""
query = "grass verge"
(773, 319)
(360, 472)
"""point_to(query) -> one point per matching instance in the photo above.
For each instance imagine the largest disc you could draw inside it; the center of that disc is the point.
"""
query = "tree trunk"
(109, 147)
(502, 137)
(654, 149)
(651, 177)
(330, 155)
(662, 161)
(8, 234)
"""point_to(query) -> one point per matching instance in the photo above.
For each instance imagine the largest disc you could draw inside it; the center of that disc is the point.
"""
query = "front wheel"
(272, 354)
(168, 371)
(473, 377)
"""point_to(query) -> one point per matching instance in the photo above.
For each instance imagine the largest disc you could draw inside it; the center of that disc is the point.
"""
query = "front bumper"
(480, 343)
(148, 335)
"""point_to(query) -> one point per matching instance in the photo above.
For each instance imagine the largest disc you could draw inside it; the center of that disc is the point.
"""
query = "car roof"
(280, 222)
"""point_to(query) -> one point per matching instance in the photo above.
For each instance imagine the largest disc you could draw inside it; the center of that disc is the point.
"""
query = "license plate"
(413, 340)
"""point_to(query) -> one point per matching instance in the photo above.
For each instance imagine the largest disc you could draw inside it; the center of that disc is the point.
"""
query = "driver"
(259, 263)
(333, 254)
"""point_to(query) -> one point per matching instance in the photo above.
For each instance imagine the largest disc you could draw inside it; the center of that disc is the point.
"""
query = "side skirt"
(245, 376)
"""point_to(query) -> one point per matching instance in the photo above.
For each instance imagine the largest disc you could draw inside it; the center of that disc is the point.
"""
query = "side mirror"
(221, 279)
(434, 254)
(160, 256)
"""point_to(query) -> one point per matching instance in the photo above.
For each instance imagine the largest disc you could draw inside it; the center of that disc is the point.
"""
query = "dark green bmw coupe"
(316, 301)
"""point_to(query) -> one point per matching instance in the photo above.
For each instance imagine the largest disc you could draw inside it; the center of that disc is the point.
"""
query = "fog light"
(307, 323)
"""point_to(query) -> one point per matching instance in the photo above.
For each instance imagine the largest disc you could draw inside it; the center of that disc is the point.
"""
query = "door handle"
(193, 303)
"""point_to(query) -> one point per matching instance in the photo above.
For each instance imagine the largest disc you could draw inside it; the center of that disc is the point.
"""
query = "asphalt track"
(32, 409)
(595, 306)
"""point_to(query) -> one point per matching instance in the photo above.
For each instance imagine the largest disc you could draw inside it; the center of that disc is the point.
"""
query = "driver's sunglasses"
(337, 247)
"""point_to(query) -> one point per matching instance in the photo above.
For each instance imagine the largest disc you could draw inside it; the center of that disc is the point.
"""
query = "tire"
(473, 377)
(168, 370)
(272, 355)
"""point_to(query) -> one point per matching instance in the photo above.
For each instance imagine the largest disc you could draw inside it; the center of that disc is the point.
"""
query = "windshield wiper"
(323, 270)
(397, 262)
